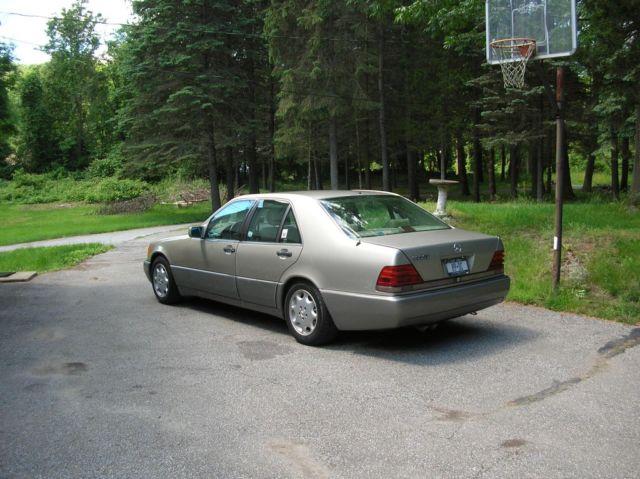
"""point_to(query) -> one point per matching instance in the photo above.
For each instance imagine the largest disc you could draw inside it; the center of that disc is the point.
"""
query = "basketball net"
(513, 55)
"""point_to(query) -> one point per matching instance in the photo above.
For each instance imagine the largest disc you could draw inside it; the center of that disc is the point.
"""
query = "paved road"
(112, 238)
(99, 380)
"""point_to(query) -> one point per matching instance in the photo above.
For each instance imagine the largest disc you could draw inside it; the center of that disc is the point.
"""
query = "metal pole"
(557, 239)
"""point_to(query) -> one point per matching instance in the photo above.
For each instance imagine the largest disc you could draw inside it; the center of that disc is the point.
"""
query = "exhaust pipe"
(427, 327)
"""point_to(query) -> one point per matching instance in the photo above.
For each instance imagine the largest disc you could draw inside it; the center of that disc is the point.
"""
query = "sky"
(28, 34)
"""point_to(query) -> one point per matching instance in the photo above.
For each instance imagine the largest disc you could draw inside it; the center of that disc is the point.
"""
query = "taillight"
(397, 277)
(497, 262)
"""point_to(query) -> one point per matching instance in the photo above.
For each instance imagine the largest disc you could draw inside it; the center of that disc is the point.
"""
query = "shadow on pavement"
(459, 339)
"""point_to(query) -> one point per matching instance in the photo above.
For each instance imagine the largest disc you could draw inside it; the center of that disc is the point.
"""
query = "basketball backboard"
(551, 23)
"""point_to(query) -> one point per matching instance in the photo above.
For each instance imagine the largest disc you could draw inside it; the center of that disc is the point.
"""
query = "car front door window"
(227, 223)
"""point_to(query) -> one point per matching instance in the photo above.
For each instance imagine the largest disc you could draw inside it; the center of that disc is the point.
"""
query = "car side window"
(227, 223)
(290, 232)
(265, 223)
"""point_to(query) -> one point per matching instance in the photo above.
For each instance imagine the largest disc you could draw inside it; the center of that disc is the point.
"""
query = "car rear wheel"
(164, 286)
(307, 316)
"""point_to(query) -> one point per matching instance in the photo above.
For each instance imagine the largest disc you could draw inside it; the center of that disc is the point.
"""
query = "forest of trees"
(322, 94)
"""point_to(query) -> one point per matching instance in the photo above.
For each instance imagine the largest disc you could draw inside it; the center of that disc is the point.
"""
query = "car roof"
(317, 194)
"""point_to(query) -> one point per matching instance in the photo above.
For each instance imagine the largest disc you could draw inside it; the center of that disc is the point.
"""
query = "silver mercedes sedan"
(329, 261)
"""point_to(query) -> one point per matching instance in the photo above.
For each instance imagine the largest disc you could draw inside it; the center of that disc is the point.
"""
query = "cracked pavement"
(100, 380)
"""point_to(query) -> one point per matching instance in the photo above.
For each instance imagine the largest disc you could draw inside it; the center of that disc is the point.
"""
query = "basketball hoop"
(513, 55)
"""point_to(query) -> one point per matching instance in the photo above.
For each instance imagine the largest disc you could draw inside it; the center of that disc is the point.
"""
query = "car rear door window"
(227, 223)
(266, 220)
(290, 232)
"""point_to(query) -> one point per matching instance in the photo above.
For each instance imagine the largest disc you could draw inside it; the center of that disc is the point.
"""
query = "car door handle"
(284, 253)
(229, 249)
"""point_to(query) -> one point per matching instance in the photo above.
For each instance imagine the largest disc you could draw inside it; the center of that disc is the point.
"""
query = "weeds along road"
(99, 380)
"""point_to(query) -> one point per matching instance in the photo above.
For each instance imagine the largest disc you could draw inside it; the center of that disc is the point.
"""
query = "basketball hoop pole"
(557, 238)
(557, 104)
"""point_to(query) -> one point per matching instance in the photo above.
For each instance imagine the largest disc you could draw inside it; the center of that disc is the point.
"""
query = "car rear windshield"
(380, 215)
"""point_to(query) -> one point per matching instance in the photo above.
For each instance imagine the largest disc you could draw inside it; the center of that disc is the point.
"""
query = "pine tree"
(6, 125)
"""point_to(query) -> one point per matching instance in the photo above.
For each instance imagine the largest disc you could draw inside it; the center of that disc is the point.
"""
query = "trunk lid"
(428, 250)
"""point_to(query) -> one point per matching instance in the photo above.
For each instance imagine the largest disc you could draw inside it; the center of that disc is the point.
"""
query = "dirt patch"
(509, 443)
(453, 415)
(64, 369)
(47, 335)
(298, 456)
(262, 350)
(573, 269)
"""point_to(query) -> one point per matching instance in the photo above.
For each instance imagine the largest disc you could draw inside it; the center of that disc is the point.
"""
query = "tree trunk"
(635, 184)
(440, 160)
(550, 154)
(588, 173)
(513, 170)
(615, 186)
(492, 174)
(367, 152)
(533, 169)
(625, 153)
(252, 154)
(333, 152)
(309, 161)
(462, 165)
(447, 156)
(384, 155)
(503, 162)
(347, 180)
(252, 163)
(236, 173)
(539, 167)
(540, 171)
(318, 172)
(568, 187)
(412, 170)
(213, 170)
(272, 134)
(358, 155)
(229, 176)
(477, 158)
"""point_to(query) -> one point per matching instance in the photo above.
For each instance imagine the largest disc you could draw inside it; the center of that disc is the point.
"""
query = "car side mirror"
(195, 232)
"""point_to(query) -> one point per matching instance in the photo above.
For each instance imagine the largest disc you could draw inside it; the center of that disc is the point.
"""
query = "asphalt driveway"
(99, 380)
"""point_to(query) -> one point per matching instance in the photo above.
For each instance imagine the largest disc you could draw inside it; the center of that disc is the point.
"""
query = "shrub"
(21, 179)
(135, 205)
(113, 189)
(106, 167)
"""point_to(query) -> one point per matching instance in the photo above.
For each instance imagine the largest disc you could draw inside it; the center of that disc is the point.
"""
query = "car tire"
(307, 316)
(162, 282)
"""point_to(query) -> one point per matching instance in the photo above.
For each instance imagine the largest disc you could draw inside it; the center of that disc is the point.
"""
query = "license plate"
(457, 266)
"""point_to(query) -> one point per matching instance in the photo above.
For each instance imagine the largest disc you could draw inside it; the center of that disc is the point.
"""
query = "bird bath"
(443, 186)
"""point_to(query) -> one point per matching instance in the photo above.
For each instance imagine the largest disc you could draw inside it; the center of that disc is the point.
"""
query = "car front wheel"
(164, 286)
(307, 316)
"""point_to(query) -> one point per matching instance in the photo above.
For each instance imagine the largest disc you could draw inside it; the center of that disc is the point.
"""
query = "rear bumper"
(146, 266)
(352, 311)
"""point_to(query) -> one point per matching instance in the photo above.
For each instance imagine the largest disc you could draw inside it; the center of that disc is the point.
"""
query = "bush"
(106, 167)
(51, 187)
(135, 205)
(113, 189)
(21, 179)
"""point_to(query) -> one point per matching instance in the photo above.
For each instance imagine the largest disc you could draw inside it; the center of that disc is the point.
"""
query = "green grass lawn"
(601, 272)
(24, 223)
(601, 261)
(49, 258)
